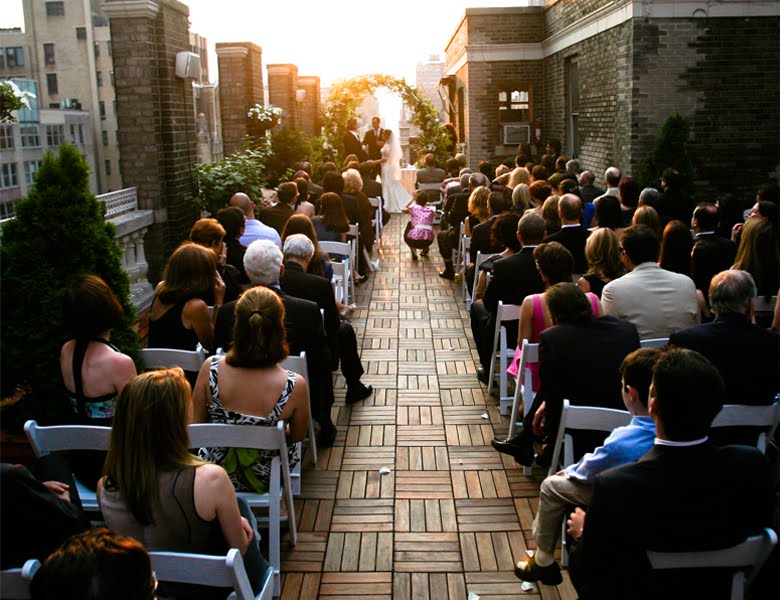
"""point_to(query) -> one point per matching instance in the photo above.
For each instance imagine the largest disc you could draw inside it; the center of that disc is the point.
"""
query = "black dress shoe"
(357, 392)
(517, 448)
(530, 571)
(327, 435)
(447, 274)
(482, 375)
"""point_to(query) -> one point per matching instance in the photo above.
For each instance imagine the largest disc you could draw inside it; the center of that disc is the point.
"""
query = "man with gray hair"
(298, 252)
(303, 323)
(612, 178)
(746, 355)
(573, 167)
(254, 230)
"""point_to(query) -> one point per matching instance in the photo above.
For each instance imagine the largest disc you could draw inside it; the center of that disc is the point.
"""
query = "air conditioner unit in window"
(515, 133)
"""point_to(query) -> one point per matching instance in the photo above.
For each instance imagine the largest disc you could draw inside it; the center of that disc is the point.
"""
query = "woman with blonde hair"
(757, 254)
(179, 316)
(647, 215)
(519, 175)
(602, 252)
(156, 491)
(248, 387)
(521, 199)
(478, 208)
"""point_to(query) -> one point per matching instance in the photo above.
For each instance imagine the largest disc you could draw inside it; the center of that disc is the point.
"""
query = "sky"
(335, 39)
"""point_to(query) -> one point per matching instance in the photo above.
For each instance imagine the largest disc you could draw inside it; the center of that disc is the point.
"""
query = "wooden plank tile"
(494, 514)
(363, 515)
(430, 484)
(427, 552)
(307, 555)
(420, 435)
(469, 458)
(362, 585)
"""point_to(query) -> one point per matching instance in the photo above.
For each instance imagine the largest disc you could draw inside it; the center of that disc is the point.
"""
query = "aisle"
(453, 514)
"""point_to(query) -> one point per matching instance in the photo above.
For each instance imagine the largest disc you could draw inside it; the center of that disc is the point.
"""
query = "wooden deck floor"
(453, 515)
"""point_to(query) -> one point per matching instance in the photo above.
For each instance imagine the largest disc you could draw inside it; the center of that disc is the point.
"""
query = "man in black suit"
(298, 252)
(303, 323)
(674, 498)
(745, 354)
(430, 173)
(580, 361)
(711, 252)
(513, 278)
(481, 240)
(276, 216)
(572, 234)
(457, 209)
(373, 140)
(351, 141)
(588, 190)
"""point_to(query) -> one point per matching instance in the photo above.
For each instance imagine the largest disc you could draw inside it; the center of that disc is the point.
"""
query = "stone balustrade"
(132, 223)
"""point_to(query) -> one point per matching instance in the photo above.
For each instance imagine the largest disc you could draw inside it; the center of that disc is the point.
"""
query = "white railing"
(119, 202)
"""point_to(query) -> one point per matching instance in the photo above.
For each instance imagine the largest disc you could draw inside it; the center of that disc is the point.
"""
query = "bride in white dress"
(393, 193)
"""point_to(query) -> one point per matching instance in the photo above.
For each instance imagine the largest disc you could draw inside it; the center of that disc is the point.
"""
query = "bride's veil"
(393, 164)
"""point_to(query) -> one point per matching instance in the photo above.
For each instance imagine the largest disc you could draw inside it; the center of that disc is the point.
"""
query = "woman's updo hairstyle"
(259, 337)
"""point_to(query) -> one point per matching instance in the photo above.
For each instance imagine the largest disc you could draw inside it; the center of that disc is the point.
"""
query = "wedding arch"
(347, 96)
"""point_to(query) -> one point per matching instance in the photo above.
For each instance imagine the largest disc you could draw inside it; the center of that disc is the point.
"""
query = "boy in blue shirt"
(572, 486)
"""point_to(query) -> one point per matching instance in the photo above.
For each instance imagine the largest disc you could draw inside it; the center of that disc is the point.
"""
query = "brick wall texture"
(282, 84)
(240, 88)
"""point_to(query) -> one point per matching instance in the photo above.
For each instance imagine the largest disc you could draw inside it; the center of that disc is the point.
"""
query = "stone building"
(428, 76)
(297, 95)
(603, 75)
(240, 88)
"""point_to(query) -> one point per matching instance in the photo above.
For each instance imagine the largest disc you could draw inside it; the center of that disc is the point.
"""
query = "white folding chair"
(764, 303)
(377, 221)
(523, 389)
(15, 583)
(345, 249)
(339, 281)
(212, 571)
(222, 435)
(654, 342)
(591, 418)
(743, 415)
(502, 351)
(57, 438)
(465, 247)
(477, 262)
(747, 557)
(435, 204)
(163, 358)
(456, 254)
(299, 365)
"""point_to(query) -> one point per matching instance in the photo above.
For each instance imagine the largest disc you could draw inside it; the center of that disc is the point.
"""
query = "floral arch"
(347, 96)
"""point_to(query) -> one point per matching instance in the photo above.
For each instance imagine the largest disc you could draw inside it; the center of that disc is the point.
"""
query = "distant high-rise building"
(428, 76)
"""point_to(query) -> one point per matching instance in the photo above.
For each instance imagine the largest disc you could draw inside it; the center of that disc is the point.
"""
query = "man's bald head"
(570, 209)
(242, 201)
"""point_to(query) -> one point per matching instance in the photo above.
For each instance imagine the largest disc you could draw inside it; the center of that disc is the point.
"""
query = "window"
(99, 21)
(81, 33)
(102, 109)
(105, 137)
(7, 209)
(108, 168)
(514, 105)
(48, 54)
(2, 59)
(8, 177)
(97, 49)
(99, 76)
(30, 169)
(72, 133)
(6, 137)
(55, 105)
(55, 9)
(14, 57)
(30, 136)
(55, 135)
(81, 133)
(51, 84)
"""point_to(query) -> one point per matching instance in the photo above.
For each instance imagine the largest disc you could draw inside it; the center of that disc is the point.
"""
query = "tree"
(288, 147)
(242, 171)
(58, 235)
(669, 151)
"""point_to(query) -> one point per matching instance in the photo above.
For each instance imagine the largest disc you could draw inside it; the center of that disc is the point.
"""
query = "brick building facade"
(240, 88)
(602, 76)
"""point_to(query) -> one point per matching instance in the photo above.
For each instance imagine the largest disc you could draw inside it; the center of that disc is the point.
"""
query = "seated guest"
(588, 193)
(430, 173)
(612, 177)
(419, 230)
(248, 387)
(670, 499)
(179, 316)
(711, 253)
(303, 325)
(513, 279)
(503, 232)
(210, 234)
(94, 565)
(253, 229)
(572, 234)
(93, 370)
(521, 199)
(758, 255)
(629, 198)
(320, 263)
(155, 490)
(456, 211)
(334, 183)
(331, 224)
(579, 359)
(657, 301)
(302, 204)
(353, 185)
(649, 197)
(519, 175)
(603, 255)
(674, 202)
(745, 354)
(608, 214)
(479, 211)
(573, 485)
(676, 248)
(276, 216)
(647, 215)
(481, 240)
(296, 281)
(233, 222)
(314, 189)
(371, 187)
(552, 221)
(539, 191)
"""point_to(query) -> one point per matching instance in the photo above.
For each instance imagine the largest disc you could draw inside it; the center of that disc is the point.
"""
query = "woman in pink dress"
(555, 265)
(419, 230)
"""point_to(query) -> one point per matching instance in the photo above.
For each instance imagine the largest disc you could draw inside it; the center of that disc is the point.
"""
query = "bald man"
(255, 230)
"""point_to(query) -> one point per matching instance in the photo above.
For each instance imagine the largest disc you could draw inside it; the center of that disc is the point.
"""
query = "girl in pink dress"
(419, 230)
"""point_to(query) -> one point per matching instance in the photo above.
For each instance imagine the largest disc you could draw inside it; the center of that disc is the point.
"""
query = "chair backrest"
(163, 358)
(296, 364)
(480, 258)
(340, 286)
(207, 435)
(750, 554)
(764, 303)
(524, 387)
(591, 418)
(15, 583)
(201, 569)
(654, 342)
(376, 202)
(45, 440)
(742, 415)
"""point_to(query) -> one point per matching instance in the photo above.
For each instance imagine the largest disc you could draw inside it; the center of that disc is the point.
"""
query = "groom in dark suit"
(373, 140)
(351, 141)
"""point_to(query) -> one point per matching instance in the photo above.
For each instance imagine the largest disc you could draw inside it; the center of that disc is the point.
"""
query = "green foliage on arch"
(347, 96)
